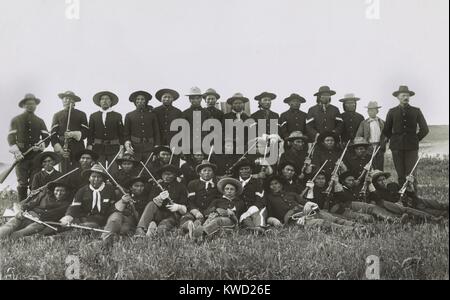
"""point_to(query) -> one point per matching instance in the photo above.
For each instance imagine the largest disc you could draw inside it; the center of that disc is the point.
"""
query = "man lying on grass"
(48, 206)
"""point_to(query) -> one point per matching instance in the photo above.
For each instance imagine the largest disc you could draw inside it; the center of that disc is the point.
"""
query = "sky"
(367, 47)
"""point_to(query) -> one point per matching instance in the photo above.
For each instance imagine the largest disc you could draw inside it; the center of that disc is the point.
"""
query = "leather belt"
(106, 142)
(142, 140)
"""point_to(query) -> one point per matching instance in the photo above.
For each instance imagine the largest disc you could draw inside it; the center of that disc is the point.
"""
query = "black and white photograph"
(223, 145)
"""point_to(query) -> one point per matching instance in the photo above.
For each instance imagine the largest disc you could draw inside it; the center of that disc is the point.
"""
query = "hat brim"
(160, 93)
(324, 135)
(53, 185)
(411, 93)
(89, 172)
(38, 160)
(304, 138)
(331, 92)
(132, 181)
(75, 98)
(349, 99)
(93, 154)
(122, 160)
(160, 149)
(272, 96)
(146, 95)
(112, 96)
(288, 100)
(169, 168)
(200, 167)
(210, 93)
(385, 174)
(236, 183)
(231, 100)
(23, 101)
(373, 107)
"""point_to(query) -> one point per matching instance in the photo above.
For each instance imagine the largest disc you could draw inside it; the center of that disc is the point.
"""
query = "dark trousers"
(24, 172)
(378, 161)
(404, 161)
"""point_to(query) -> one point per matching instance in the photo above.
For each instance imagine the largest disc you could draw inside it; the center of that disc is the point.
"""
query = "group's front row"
(141, 206)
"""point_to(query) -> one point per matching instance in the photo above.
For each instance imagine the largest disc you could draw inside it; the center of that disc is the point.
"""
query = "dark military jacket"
(296, 157)
(401, 128)
(200, 198)
(320, 121)
(278, 205)
(236, 205)
(267, 115)
(356, 164)
(166, 114)
(26, 130)
(42, 178)
(253, 193)
(215, 113)
(321, 155)
(78, 122)
(142, 128)
(47, 207)
(352, 120)
(196, 134)
(295, 121)
(106, 138)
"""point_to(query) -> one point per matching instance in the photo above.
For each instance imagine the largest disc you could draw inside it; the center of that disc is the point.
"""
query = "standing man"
(141, 127)
(211, 97)
(264, 113)
(69, 134)
(401, 128)
(106, 129)
(324, 116)
(166, 113)
(351, 119)
(195, 97)
(294, 119)
(26, 130)
(371, 130)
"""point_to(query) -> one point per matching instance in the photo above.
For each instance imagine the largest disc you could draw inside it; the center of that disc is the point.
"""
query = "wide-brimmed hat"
(272, 96)
(146, 95)
(79, 154)
(228, 180)
(211, 92)
(127, 157)
(169, 168)
(377, 173)
(403, 89)
(27, 98)
(373, 104)
(41, 156)
(194, 91)
(345, 175)
(359, 141)
(349, 97)
(285, 163)
(244, 163)
(161, 148)
(51, 186)
(161, 93)
(297, 135)
(294, 97)
(325, 90)
(205, 164)
(69, 94)
(237, 96)
(133, 180)
(112, 96)
(95, 169)
(326, 134)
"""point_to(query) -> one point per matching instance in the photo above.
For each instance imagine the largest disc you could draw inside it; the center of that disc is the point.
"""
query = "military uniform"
(25, 131)
(106, 135)
(224, 162)
(215, 113)
(43, 177)
(279, 205)
(143, 131)
(295, 120)
(196, 133)
(351, 122)
(78, 122)
(267, 115)
(322, 119)
(355, 164)
(321, 155)
(233, 116)
(296, 157)
(165, 115)
(401, 128)
(253, 196)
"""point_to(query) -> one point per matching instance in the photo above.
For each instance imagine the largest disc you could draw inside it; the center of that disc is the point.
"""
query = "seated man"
(161, 157)
(188, 168)
(223, 212)
(298, 150)
(255, 215)
(48, 206)
(46, 161)
(128, 169)
(387, 196)
(163, 211)
(124, 219)
(289, 172)
(358, 158)
(348, 205)
(93, 203)
(202, 192)
(315, 191)
(86, 159)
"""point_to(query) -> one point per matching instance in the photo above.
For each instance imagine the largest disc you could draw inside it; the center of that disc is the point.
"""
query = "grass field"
(405, 252)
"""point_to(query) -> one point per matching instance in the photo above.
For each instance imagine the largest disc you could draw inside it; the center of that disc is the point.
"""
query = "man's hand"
(274, 222)
(198, 215)
(335, 178)
(66, 220)
(164, 195)
(158, 201)
(129, 147)
(127, 198)
(410, 179)
(39, 148)
(308, 161)
(173, 207)
(310, 184)
(16, 152)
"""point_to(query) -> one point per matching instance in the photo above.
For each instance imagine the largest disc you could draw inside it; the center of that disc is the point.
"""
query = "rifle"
(37, 191)
(363, 173)
(66, 139)
(156, 181)
(315, 176)
(122, 190)
(242, 157)
(334, 173)
(309, 156)
(363, 192)
(402, 191)
(146, 163)
(6, 173)
(26, 215)
(115, 158)
(79, 227)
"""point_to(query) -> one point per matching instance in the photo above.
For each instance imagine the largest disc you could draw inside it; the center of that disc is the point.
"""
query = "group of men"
(123, 177)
